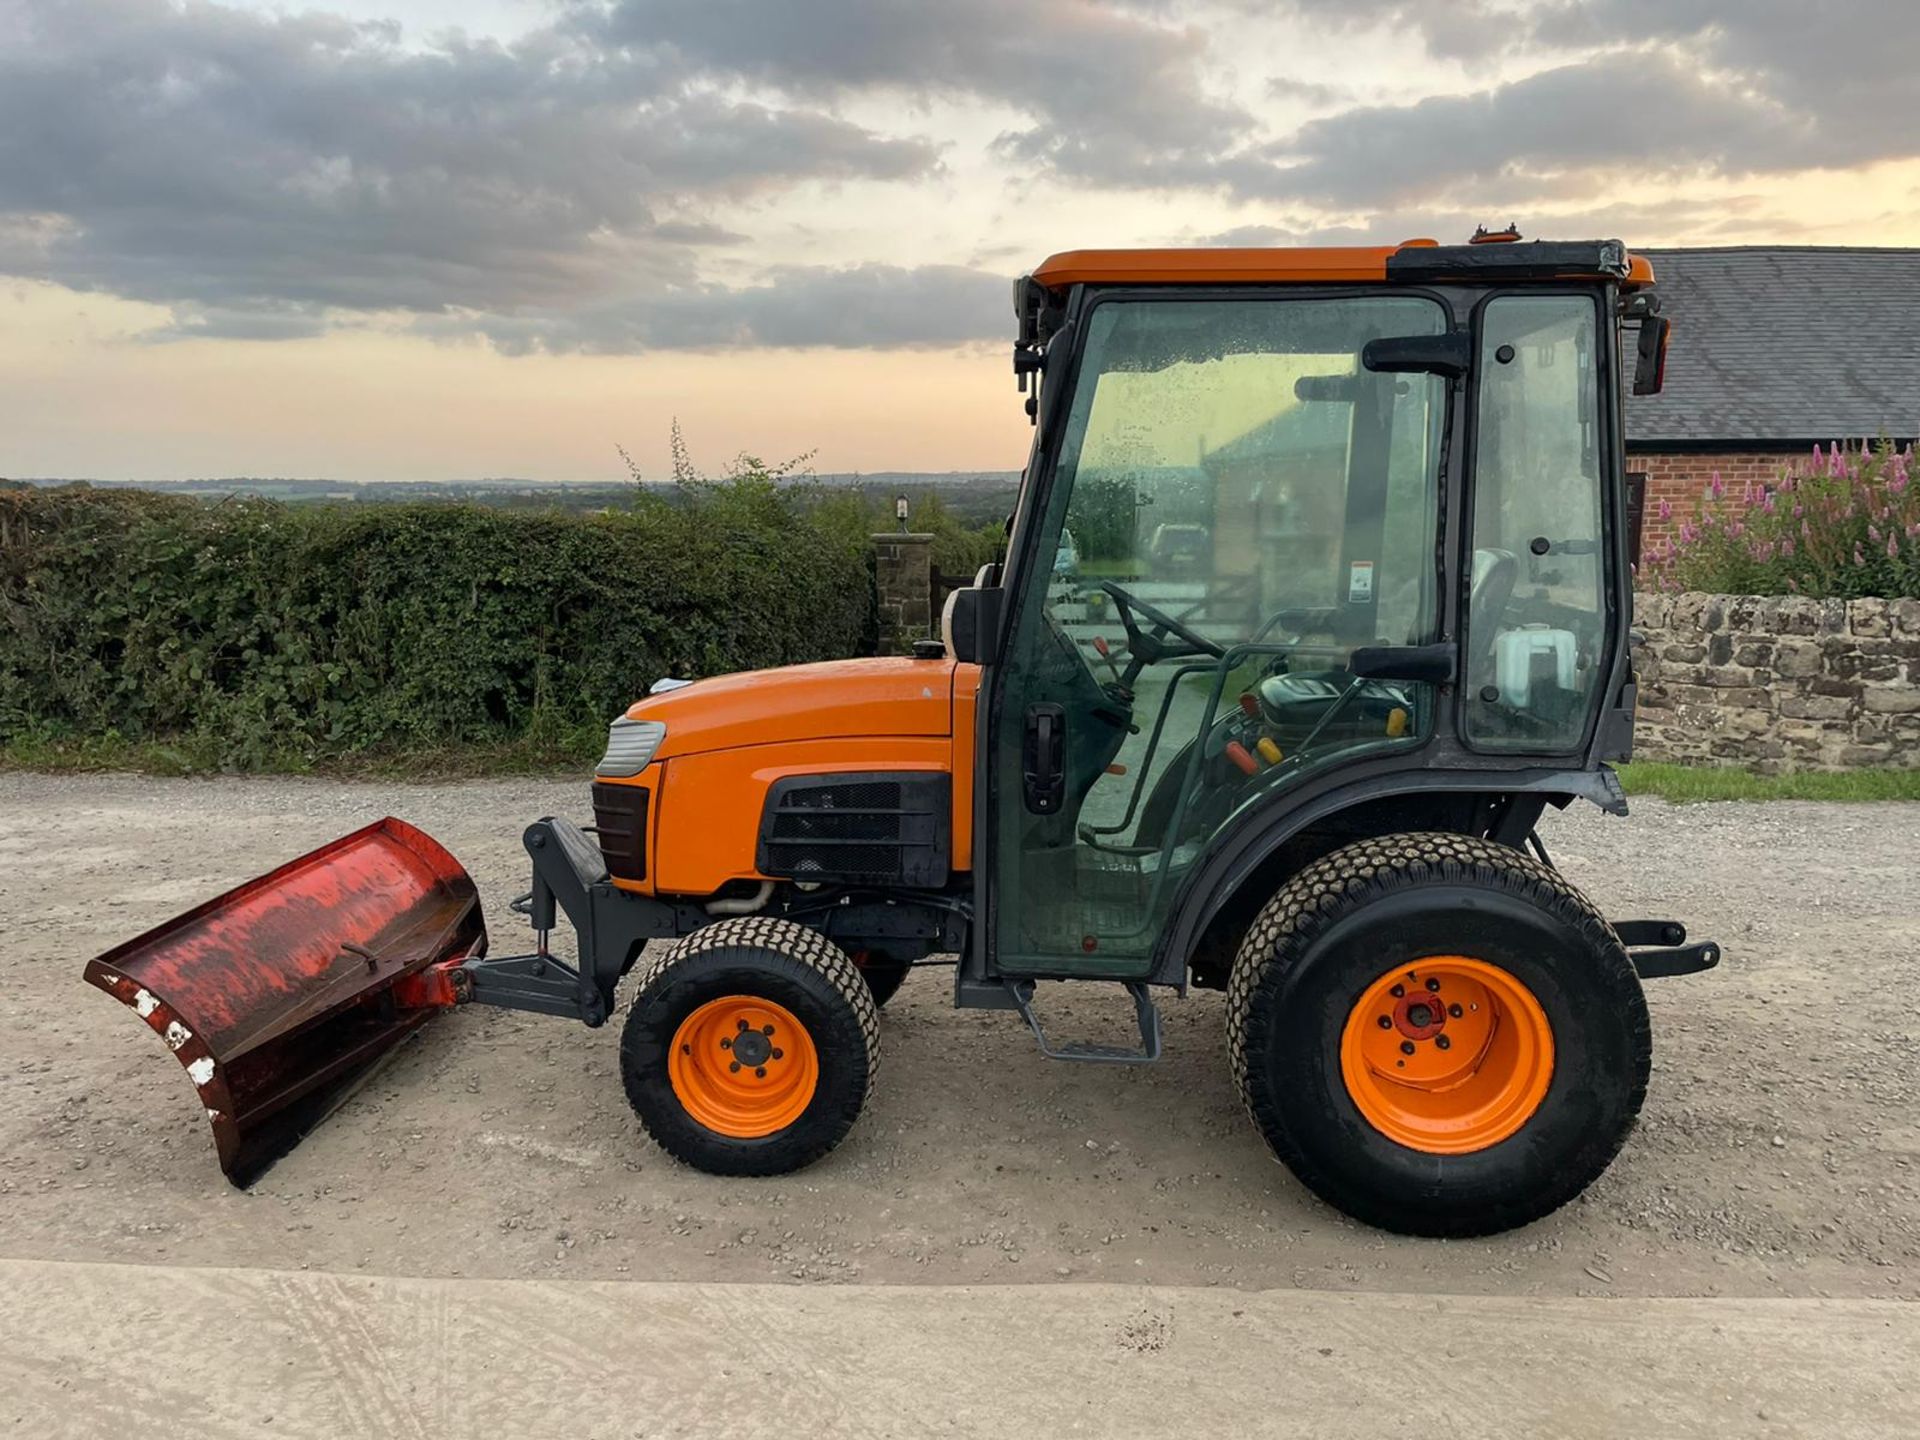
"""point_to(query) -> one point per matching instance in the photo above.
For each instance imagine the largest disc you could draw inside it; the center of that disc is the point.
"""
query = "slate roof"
(1785, 343)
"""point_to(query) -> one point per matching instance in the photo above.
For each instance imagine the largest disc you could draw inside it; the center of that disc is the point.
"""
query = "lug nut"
(1386, 1022)
(1397, 991)
(760, 1072)
(1406, 1047)
(766, 1029)
(1455, 1011)
(1443, 1042)
(776, 1052)
(733, 1067)
(1433, 984)
(726, 1042)
(743, 1024)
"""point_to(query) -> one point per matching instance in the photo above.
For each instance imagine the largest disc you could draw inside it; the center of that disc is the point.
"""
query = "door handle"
(1043, 758)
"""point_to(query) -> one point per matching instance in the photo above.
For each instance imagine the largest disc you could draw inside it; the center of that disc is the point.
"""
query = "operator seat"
(1296, 701)
(981, 578)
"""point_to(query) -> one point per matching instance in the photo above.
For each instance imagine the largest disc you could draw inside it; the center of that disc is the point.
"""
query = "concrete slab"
(114, 1350)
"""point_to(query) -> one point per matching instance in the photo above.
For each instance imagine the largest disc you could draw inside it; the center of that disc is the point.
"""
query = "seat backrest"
(946, 620)
(1495, 573)
(981, 577)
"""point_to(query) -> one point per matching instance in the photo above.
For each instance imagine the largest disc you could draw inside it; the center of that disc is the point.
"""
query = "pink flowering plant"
(1844, 523)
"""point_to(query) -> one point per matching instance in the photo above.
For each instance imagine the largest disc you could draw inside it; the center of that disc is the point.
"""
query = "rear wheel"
(1438, 1034)
(750, 1047)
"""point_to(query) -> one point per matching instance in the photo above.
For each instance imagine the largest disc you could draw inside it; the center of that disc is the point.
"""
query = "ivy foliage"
(260, 635)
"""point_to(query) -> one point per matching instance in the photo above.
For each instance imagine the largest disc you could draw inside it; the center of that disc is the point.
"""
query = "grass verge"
(1702, 782)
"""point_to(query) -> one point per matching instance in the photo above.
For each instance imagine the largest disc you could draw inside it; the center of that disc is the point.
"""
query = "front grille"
(620, 825)
(872, 829)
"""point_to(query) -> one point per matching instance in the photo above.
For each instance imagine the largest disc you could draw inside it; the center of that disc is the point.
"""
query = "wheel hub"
(1419, 1016)
(743, 1067)
(751, 1047)
(1449, 1056)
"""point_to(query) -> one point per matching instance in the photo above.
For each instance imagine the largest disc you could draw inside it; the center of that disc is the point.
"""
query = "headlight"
(630, 746)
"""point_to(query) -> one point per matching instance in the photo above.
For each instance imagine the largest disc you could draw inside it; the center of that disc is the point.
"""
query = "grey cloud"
(225, 161)
(1453, 29)
(1661, 90)
(266, 175)
(1556, 134)
(1306, 92)
(1848, 67)
(858, 307)
(1251, 236)
(1114, 97)
(195, 322)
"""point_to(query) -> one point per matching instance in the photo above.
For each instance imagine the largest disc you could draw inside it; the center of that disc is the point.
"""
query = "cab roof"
(1411, 261)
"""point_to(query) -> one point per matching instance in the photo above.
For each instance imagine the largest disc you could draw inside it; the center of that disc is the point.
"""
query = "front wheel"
(1438, 1034)
(750, 1047)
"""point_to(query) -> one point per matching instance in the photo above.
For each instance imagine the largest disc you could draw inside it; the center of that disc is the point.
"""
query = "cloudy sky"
(383, 239)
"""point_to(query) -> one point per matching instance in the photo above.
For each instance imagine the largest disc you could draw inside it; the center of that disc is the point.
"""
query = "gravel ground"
(1779, 1153)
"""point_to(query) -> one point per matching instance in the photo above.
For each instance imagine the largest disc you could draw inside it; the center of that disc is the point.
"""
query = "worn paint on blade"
(263, 994)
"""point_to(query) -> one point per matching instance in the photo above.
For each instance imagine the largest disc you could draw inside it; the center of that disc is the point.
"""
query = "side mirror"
(1650, 362)
(1449, 355)
(973, 624)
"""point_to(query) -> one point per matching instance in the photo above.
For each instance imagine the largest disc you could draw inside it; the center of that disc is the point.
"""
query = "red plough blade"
(281, 995)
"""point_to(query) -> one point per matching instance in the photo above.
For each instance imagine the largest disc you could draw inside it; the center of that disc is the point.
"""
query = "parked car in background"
(1179, 550)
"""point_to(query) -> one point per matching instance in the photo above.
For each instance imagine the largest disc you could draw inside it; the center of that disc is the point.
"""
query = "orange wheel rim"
(1448, 1055)
(743, 1066)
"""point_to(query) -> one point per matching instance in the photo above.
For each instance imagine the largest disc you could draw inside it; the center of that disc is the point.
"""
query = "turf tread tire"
(1341, 885)
(794, 956)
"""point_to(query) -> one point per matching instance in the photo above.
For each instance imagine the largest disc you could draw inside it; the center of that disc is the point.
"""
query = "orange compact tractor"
(1317, 595)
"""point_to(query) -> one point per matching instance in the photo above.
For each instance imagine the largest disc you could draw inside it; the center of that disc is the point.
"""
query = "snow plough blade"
(283, 994)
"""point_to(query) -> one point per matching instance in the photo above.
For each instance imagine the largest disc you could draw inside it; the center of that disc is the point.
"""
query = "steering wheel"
(1148, 649)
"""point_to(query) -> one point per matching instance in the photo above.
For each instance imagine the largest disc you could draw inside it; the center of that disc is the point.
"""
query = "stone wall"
(1778, 682)
(903, 581)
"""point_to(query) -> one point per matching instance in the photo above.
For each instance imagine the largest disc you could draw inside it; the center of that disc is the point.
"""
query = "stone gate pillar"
(903, 578)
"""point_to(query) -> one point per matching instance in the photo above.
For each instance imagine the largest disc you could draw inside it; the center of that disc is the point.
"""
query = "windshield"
(1234, 459)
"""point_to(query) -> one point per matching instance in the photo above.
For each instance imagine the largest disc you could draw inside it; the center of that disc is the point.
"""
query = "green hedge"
(260, 635)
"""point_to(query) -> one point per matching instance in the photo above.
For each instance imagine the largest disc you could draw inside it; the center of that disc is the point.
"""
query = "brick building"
(1775, 349)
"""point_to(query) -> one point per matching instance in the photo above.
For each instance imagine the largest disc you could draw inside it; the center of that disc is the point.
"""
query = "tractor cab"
(1396, 479)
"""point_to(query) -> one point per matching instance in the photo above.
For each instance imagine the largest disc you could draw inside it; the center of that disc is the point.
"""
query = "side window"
(1536, 622)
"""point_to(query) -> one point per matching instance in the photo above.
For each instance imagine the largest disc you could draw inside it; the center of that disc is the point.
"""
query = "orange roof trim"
(1333, 264)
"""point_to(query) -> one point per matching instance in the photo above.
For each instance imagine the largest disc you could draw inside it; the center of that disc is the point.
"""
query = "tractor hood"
(881, 696)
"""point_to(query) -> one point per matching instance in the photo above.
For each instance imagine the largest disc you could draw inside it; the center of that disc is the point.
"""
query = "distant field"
(972, 497)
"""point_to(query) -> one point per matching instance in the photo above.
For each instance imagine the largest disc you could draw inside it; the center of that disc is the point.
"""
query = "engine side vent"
(620, 825)
(871, 829)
